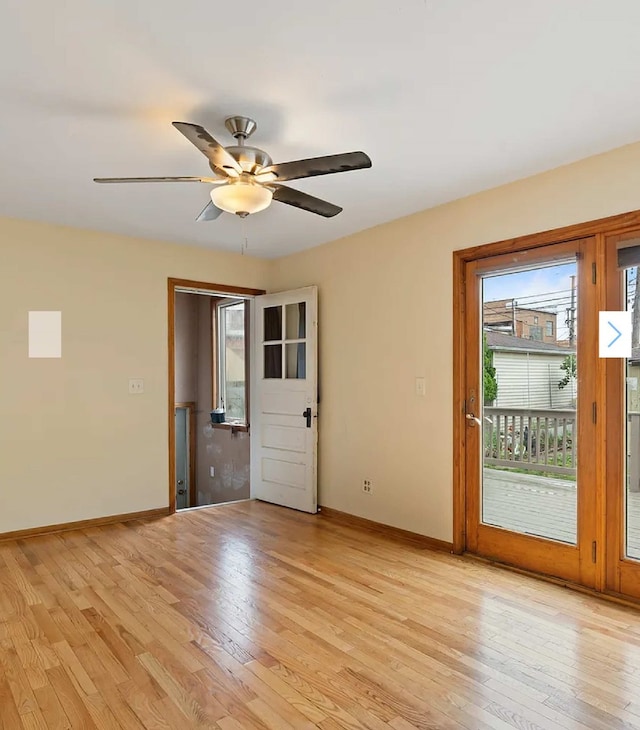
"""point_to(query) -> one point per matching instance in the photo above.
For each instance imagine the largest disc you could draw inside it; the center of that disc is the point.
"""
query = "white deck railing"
(532, 439)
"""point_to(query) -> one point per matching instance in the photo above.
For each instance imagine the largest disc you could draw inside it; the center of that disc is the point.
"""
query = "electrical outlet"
(136, 385)
(366, 486)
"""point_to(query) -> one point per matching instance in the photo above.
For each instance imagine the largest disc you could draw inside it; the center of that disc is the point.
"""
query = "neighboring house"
(528, 373)
(504, 315)
(633, 381)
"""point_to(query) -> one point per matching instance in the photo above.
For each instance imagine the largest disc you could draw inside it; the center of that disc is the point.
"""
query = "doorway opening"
(209, 366)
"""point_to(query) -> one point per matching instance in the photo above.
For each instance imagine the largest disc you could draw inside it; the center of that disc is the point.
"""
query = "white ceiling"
(448, 97)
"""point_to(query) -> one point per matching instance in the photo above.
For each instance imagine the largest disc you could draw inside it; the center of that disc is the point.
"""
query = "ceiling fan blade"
(155, 179)
(209, 213)
(284, 194)
(314, 166)
(210, 148)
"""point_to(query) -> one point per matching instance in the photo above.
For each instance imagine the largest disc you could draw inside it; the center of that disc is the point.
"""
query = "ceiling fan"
(245, 178)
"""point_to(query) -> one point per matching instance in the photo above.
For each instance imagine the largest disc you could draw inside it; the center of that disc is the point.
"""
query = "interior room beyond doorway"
(210, 399)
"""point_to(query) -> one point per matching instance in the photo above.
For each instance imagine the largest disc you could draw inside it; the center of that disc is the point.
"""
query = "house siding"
(530, 380)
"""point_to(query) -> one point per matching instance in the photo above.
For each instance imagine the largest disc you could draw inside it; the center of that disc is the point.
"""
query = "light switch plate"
(421, 386)
(136, 385)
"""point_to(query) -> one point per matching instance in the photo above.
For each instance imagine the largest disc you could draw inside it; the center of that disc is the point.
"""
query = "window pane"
(273, 361)
(272, 323)
(234, 361)
(632, 491)
(296, 321)
(297, 360)
(529, 398)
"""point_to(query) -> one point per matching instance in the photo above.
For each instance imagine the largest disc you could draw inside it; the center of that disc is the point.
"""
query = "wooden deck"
(543, 506)
(252, 616)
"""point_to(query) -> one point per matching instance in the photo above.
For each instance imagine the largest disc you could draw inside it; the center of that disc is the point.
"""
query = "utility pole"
(571, 313)
(513, 317)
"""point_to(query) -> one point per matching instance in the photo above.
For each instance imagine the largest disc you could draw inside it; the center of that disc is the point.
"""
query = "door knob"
(180, 482)
(471, 417)
(182, 491)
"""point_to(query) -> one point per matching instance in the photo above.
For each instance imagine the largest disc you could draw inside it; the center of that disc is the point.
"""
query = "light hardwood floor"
(253, 616)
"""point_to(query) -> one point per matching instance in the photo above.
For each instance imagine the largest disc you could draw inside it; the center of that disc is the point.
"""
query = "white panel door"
(284, 394)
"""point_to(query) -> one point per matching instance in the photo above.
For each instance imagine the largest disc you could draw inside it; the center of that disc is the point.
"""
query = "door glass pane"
(529, 401)
(296, 321)
(296, 360)
(272, 323)
(632, 492)
(273, 361)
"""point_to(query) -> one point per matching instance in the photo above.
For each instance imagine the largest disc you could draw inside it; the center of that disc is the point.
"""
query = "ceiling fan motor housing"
(251, 159)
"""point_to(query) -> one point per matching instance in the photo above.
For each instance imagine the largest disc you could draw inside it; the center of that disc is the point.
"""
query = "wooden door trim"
(191, 409)
(612, 224)
(172, 285)
(459, 386)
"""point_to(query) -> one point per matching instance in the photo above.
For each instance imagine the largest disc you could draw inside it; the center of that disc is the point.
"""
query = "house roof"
(501, 341)
(447, 99)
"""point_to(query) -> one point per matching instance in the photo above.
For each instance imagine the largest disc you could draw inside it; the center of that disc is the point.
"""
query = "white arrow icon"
(615, 334)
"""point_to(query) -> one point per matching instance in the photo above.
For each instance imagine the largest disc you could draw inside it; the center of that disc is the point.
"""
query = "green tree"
(489, 374)
(569, 365)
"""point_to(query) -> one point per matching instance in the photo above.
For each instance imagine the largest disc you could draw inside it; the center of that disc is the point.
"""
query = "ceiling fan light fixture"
(241, 197)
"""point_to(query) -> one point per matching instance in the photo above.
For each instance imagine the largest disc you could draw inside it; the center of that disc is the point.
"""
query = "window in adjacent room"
(230, 337)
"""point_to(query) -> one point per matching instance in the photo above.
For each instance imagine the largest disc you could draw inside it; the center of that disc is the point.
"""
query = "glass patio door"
(623, 422)
(530, 417)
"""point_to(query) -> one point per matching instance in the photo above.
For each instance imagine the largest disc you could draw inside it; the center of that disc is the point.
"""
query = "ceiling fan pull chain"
(245, 239)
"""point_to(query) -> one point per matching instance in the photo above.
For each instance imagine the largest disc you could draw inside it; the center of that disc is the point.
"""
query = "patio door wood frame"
(576, 563)
(610, 573)
(622, 573)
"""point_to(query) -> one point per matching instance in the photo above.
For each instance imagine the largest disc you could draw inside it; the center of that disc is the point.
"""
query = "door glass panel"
(273, 361)
(632, 420)
(272, 323)
(296, 360)
(529, 400)
(296, 321)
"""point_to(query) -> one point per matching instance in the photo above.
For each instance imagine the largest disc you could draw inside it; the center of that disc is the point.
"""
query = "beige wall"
(73, 443)
(378, 331)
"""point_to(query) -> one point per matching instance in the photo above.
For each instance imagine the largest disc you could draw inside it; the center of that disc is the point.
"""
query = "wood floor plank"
(120, 709)
(34, 721)
(255, 617)
(51, 708)
(71, 702)
(9, 716)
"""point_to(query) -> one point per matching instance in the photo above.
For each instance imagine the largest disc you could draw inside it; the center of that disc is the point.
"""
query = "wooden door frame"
(191, 410)
(172, 285)
(600, 228)
(622, 574)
